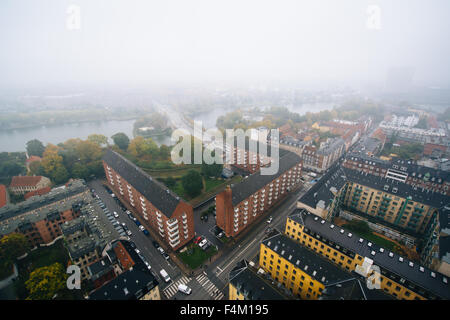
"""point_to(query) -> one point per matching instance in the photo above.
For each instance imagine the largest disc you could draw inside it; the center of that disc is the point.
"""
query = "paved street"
(212, 283)
(143, 242)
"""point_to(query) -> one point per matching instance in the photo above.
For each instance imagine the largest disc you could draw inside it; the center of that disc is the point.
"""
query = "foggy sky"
(188, 41)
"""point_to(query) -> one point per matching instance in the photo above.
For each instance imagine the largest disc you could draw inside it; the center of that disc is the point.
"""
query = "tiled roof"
(3, 195)
(383, 258)
(256, 181)
(24, 181)
(155, 192)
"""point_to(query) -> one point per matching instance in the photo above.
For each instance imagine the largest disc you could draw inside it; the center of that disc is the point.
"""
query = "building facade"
(24, 184)
(155, 205)
(398, 277)
(238, 206)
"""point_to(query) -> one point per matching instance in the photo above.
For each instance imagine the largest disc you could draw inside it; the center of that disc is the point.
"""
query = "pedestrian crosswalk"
(210, 288)
(202, 279)
(170, 290)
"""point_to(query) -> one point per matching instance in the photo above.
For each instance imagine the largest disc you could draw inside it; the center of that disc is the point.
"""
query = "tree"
(80, 171)
(140, 146)
(98, 139)
(212, 170)
(88, 151)
(51, 159)
(192, 183)
(36, 168)
(46, 282)
(35, 148)
(10, 168)
(170, 182)
(12, 246)
(121, 140)
(60, 175)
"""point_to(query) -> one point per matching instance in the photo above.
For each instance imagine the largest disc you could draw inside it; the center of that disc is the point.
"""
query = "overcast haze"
(146, 42)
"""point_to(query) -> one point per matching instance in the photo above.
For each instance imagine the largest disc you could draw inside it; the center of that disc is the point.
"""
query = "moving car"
(184, 288)
(164, 275)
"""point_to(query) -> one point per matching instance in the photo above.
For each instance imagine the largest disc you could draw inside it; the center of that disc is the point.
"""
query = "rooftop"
(24, 181)
(256, 181)
(306, 260)
(400, 266)
(159, 195)
(253, 286)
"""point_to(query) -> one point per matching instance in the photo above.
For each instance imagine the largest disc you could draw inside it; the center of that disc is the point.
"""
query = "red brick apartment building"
(238, 206)
(157, 207)
(39, 218)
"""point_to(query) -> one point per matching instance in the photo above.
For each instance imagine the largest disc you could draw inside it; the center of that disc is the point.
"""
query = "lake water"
(16, 140)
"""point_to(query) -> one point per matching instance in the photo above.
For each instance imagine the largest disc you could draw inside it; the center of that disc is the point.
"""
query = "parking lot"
(130, 228)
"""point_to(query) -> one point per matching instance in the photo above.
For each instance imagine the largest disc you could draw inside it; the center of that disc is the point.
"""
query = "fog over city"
(47, 44)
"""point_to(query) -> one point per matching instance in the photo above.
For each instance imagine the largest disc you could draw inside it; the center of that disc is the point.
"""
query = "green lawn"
(373, 238)
(198, 255)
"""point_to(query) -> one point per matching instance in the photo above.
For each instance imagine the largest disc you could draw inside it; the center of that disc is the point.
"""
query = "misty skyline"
(138, 43)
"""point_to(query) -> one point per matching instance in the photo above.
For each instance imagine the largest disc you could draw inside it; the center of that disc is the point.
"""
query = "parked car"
(166, 256)
(270, 219)
(129, 232)
(148, 265)
(220, 235)
(184, 288)
(141, 227)
(161, 250)
(137, 222)
(164, 275)
(198, 239)
(155, 244)
(132, 245)
(146, 232)
(202, 243)
(137, 250)
(116, 215)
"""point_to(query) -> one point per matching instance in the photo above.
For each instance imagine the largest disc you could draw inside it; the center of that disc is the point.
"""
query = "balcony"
(175, 243)
(173, 228)
(172, 222)
(174, 236)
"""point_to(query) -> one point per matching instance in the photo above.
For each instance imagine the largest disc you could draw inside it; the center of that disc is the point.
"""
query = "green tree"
(121, 140)
(98, 139)
(60, 175)
(35, 148)
(212, 170)
(12, 246)
(192, 183)
(10, 168)
(170, 182)
(46, 282)
(80, 171)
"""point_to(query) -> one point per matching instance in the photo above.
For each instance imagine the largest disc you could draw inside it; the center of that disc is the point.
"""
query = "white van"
(165, 275)
(184, 288)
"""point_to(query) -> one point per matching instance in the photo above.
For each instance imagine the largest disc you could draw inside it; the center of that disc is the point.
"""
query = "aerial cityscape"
(199, 150)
